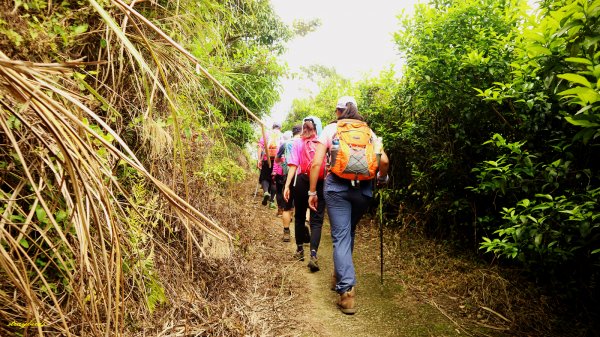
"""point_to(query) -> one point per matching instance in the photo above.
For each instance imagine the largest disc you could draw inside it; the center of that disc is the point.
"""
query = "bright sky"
(355, 37)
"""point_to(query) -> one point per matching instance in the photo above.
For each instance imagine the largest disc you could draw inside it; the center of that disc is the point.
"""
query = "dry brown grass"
(248, 294)
(480, 299)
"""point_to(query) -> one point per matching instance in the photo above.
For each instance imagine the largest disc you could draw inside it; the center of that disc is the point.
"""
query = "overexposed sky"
(355, 37)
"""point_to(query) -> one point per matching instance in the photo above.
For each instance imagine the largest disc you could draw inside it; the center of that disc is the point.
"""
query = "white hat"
(341, 104)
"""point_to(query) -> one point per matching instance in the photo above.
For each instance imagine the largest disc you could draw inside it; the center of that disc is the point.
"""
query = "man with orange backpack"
(268, 148)
(299, 163)
(356, 154)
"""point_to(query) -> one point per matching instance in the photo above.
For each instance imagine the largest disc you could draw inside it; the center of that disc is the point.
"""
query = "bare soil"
(387, 309)
(429, 288)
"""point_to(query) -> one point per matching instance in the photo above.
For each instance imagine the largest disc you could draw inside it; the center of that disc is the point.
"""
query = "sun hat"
(341, 104)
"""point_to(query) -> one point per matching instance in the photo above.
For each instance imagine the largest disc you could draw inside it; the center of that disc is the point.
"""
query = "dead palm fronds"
(130, 12)
(74, 250)
(60, 159)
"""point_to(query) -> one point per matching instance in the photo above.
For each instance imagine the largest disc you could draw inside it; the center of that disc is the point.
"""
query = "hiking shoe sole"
(347, 311)
(265, 199)
(313, 266)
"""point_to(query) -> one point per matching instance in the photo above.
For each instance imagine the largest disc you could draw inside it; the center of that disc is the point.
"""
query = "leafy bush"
(219, 170)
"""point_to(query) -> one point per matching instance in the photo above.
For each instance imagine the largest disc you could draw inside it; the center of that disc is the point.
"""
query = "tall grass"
(77, 241)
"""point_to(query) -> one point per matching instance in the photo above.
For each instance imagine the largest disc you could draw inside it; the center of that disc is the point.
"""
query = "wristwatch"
(312, 193)
(383, 179)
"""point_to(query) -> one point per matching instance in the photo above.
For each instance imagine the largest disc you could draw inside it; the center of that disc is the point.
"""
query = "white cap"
(341, 104)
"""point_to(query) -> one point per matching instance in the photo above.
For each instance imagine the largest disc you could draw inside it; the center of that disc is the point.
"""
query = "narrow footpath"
(383, 310)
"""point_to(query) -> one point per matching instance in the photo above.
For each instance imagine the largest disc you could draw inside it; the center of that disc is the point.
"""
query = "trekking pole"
(380, 211)
(255, 192)
(378, 150)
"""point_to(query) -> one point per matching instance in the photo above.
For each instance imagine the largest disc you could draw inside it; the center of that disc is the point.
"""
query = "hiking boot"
(346, 302)
(333, 282)
(286, 235)
(299, 255)
(266, 197)
(313, 264)
(272, 205)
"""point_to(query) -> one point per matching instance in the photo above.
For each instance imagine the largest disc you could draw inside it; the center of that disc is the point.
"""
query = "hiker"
(278, 177)
(301, 157)
(286, 205)
(268, 148)
(348, 188)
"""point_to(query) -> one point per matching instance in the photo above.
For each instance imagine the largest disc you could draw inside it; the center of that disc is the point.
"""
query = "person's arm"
(291, 174)
(314, 175)
(259, 152)
(384, 164)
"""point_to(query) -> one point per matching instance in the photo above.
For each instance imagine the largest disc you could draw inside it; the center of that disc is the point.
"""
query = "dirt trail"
(383, 310)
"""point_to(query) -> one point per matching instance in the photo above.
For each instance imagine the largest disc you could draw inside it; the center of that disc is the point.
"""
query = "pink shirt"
(277, 169)
(296, 153)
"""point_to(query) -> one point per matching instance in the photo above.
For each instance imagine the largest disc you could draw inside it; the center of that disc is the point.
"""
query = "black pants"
(266, 179)
(316, 218)
(280, 184)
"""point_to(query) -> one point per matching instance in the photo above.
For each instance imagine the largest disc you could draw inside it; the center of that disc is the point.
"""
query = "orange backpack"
(273, 143)
(355, 158)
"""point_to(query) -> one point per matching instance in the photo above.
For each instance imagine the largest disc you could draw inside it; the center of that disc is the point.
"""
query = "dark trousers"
(316, 218)
(266, 179)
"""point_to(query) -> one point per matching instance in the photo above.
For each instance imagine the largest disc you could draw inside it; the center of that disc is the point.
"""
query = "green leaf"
(578, 60)
(575, 78)
(60, 215)
(41, 215)
(80, 29)
(24, 243)
(538, 240)
(546, 196)
(581, 122)
(538, 50)
(585, 135)
(586, 95)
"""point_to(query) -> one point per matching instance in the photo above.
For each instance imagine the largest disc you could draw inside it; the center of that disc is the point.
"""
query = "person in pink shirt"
(299, 164)
(278, 174)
